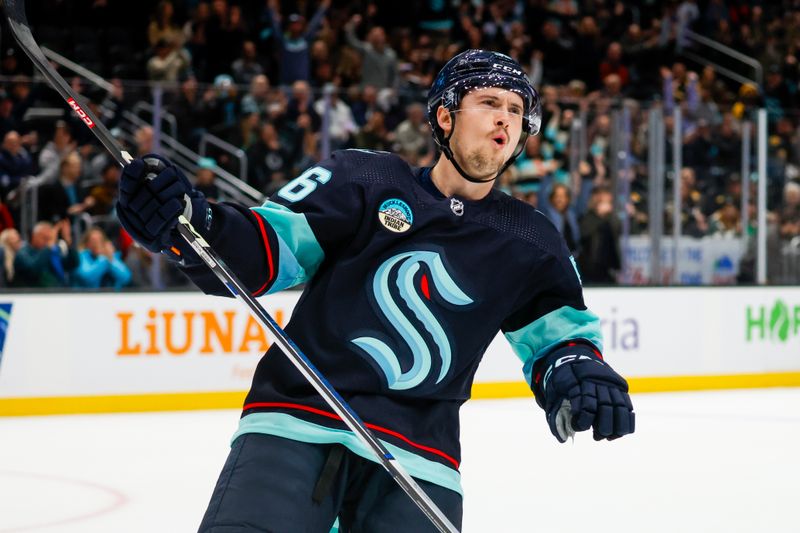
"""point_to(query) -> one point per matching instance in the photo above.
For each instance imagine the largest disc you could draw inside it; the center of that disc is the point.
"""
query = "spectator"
(612, 64)
(269, 161)
(48, 260)
(8, 119)
(726, 221)
(204, 179)
(374, 135)
(789, 214)
(143, 137)
(600, 257)
(104, 195)
(162, 27)
(64, 198)
(257, 98)
(693, 221)
(54, 152)
(221, 105)
(195, 33)
(247, 67)
(10, 244)
(191, 109)
(413, 134)
(15, 163)
(295, 58)
(341, 125)
(170, 61)
(302, 103)
(562, 215)
(379, 61)
(100, 265)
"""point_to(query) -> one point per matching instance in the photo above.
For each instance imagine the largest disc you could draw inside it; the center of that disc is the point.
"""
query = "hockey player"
(410, 273)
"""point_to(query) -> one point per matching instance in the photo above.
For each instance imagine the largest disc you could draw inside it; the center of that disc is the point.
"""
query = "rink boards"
(65, 353)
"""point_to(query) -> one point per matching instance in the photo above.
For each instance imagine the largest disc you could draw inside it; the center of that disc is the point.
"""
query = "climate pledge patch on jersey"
(395, 215)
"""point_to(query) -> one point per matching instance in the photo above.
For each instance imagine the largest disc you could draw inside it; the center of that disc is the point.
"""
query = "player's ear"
(443, 117)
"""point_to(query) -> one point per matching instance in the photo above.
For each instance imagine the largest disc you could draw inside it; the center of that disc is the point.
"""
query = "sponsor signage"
(118, 344)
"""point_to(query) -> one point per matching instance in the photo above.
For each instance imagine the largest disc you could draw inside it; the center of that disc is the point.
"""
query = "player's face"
(489, 125)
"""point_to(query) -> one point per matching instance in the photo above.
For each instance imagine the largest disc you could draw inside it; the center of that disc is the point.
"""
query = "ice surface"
(699, 462)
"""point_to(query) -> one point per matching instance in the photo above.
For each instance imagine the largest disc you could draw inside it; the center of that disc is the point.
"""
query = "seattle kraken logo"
(383, 355)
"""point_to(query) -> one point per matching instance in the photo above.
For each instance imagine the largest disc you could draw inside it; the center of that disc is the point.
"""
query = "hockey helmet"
(481, 68)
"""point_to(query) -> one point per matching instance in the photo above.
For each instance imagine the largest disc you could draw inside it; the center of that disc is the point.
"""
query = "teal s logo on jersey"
(408, 264)
(395, 215)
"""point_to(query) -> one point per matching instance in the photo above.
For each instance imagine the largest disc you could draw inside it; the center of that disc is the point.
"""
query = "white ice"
(699, 462)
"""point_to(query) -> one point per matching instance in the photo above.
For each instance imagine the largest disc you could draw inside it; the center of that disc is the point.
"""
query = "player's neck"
(450, 183)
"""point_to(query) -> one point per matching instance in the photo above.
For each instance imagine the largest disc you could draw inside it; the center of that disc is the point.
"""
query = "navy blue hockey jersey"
(405, 289)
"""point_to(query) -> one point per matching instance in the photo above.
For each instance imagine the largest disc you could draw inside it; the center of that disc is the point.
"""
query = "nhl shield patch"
(395, 215)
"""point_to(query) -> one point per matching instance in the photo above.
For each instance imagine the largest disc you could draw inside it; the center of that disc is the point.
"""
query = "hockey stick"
(15, 13)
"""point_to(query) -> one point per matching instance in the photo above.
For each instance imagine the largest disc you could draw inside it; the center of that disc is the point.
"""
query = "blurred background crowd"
(286, 82)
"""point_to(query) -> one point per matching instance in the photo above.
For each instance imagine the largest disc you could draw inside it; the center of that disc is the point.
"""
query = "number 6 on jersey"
(304, 184)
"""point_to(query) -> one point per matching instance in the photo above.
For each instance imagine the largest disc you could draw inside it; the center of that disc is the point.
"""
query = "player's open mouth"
(500, 140)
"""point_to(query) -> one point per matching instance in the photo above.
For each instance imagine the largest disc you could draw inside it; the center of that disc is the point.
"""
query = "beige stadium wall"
(82, 353)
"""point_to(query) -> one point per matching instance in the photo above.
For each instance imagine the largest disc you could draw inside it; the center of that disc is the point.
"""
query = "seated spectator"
(726, 221)
(693, 221)
(48, 260)
(341, 125)
(100, 265)
(374, 135)
(6, 220)
(191, 109)
(64, 198)
(104, 195)
(413, 134)
(789, 214)
(143, 137)
(302, 103)
(204, 179)
(562, 215)
(269, 161)
(257, 98)
(612, 64)
(600, 259)
(162, 26)
(15, 163)
(54, 152)
(170, 61)
(10, 244)
(247, 66)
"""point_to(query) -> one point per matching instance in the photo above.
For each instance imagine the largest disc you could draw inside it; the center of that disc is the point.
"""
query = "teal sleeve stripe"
(298, 239)
(290, 273)
(287, 426)
(533, 341)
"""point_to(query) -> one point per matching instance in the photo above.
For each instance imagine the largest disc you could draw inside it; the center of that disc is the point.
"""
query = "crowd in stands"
(289, 81)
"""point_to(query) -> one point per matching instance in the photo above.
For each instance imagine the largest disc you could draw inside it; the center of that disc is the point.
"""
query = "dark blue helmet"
(481, 68)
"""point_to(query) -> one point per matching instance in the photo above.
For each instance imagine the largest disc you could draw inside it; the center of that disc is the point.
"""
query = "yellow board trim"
(186, 401)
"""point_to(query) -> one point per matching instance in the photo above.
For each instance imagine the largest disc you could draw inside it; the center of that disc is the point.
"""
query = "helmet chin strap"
(448, 153)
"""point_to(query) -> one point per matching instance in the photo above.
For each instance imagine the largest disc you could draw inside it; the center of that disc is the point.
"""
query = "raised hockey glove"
(578, 390)
(152, 194)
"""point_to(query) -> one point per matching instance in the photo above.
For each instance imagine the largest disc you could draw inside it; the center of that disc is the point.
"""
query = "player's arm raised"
(560, 343)
(269, 248)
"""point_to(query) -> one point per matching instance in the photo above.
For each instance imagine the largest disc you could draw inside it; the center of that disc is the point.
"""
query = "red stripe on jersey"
(269, 254)
(424, 286)
(334, 416)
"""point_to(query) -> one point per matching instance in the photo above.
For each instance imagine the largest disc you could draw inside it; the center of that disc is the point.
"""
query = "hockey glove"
(152, 194)
(578, 390)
